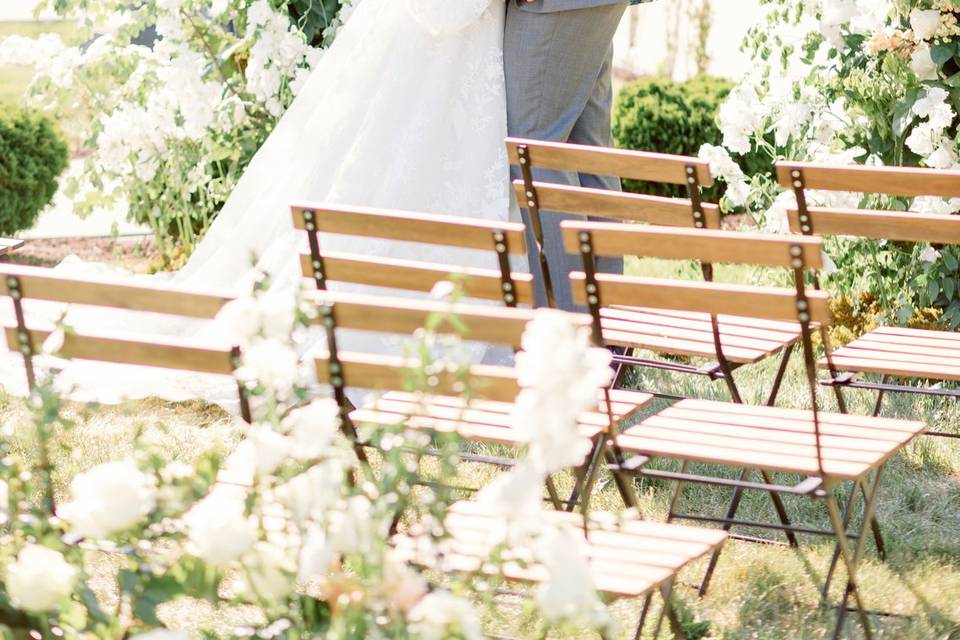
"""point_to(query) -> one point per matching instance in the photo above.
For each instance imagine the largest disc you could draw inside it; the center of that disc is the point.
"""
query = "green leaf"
(903, 115)
(940, 53)
(950, 260)
(153, 593)
(933, 291)
(948, 285)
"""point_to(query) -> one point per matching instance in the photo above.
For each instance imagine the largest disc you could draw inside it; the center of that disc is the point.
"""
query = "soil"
(136, 254)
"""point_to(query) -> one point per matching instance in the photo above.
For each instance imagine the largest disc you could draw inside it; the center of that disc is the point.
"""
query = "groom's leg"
(594, 128)
(557, 68)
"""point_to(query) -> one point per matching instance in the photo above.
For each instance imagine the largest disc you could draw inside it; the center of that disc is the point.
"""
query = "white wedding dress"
(406, 110)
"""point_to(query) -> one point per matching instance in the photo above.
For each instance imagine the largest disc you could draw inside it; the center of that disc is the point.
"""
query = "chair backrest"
(536, 195)
(868, 223)
(501, 239)
(23, 284)
(479, 323)
(795, 253)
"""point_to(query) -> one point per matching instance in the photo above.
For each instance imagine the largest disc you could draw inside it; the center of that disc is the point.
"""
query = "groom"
(558, 56)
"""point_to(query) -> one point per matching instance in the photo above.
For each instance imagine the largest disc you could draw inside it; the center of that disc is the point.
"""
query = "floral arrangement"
(171, 125)
(842, 81)
(288, 536)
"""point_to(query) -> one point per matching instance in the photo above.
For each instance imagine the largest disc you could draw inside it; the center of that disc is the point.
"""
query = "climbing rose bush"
(171, 123)
(288, 533)
(843, 81)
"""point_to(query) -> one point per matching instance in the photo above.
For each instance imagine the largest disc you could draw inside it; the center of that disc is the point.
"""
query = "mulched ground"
(135, 254)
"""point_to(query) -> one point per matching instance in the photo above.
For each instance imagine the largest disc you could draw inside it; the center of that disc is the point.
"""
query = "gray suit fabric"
(558, 71)
(549, 6)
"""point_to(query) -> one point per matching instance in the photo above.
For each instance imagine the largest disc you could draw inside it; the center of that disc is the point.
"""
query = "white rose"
(316, 555)
(922, 64)
(218, 530)
(942, 158)
(313, 428)
(924, 23)
(108, 499)
(439, 613)
(240, 319)
(922, 140)
(39, 579)
(270, 574)
(929, 255)
(568, 593)
(263, 450)
(272, 363)
(312, 491)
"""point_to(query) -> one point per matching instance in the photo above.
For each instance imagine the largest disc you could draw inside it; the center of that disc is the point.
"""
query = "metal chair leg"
(675, 499)
(781, 510)
(880, 393)
(732, 508)
(853, 558)
(778, 380)
(666, 591)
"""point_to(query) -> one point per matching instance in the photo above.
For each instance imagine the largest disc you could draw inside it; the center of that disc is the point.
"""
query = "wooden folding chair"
(629, 561)
(9, 245)
(890, 352)
(22, 284)
(744, 340)
(485, 418)
(826, 449)
(502, 239)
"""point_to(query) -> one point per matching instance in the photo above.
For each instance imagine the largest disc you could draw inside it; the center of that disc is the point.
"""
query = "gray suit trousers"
(558, 73)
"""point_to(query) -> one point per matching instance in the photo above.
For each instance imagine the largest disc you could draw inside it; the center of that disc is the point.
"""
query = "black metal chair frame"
(722, 369)
(840, 380)
(850, 545)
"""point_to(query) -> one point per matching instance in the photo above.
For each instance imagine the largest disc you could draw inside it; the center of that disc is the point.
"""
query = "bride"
(406, 110)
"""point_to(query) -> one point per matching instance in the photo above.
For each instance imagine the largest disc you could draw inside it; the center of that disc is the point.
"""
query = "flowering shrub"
(839, 81)
(289, 526)
(172, 127)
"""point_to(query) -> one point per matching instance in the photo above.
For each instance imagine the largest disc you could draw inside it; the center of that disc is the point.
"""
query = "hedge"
(32, 157)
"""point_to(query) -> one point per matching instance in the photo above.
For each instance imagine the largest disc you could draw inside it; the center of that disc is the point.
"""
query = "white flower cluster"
(278, 53)
(560, 372)
(262, 327)
(928, 138)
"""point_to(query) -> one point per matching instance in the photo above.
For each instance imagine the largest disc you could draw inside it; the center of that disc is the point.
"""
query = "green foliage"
(313, 17)
(658, 114)
(32, 157)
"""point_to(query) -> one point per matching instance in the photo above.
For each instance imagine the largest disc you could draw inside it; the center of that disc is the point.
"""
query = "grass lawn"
(14, 79)
(760, 592)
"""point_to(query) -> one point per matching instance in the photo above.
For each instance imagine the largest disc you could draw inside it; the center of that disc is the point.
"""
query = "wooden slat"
(483, 284)
(708, 245)
(9, 245)
(624, 404)
(389, 373)
(405, 226)
(669, 212)
(484, 323)
(903, 352)
(626, 560)
(868, 223)
(902, 181)
(164, 353)
(670, 334)
(635, 165)
(771, 303)
(769, 438)
(44, 284)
